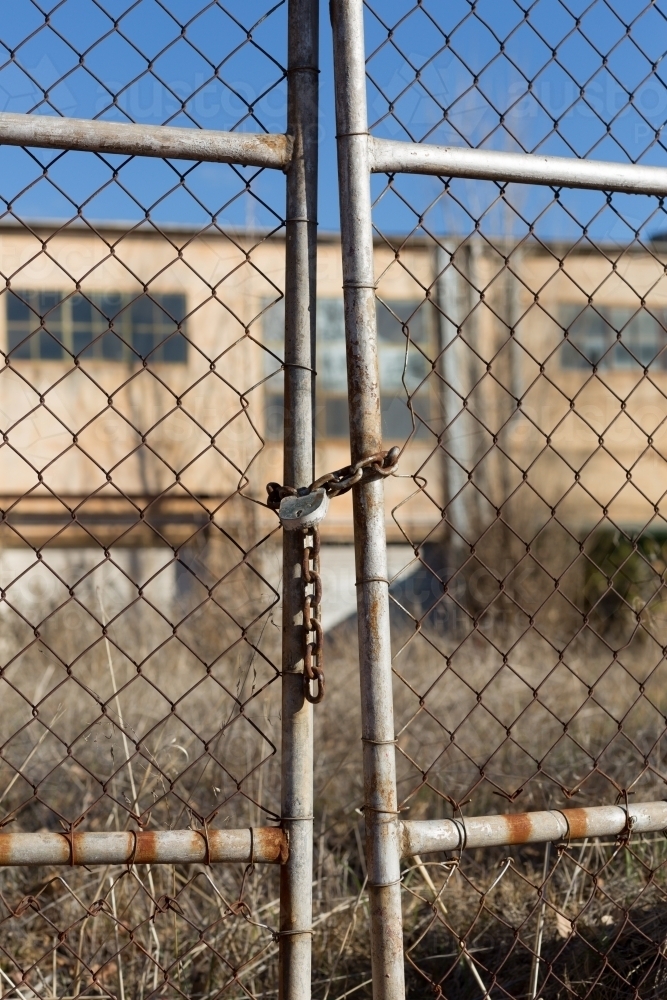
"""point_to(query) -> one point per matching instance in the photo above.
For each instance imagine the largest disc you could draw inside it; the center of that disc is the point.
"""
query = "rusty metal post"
(297, 713)
(380, 802)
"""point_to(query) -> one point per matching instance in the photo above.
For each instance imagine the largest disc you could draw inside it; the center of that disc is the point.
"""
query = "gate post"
(377, 711)
(297, 713)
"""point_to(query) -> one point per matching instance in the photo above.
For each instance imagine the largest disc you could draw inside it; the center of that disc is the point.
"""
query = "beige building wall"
(594, 442)
(112, 430)
(115, 430)
(111, 435)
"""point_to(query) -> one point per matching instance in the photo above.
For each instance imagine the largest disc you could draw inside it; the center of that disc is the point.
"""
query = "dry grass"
(193, 733)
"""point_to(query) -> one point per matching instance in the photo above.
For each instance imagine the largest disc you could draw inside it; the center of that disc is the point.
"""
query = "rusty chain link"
(377, 466)
(312, 615)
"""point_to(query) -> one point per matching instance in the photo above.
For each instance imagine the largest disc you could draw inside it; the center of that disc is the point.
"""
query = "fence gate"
(505, 301)
(528, 634)
(142, 709)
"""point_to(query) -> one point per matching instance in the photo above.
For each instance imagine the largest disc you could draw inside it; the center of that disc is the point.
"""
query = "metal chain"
(382, 464)
(313, 653)
(377, 466)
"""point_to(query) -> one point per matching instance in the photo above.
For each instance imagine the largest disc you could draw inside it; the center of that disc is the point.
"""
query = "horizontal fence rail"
(429, 836)
(164, 141)
(389, 156)
(262, 845)
(275, 152)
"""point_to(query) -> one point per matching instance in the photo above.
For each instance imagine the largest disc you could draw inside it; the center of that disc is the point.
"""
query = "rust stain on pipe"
(519, 827)
(145, 848)
(429, 836)
(74, 844)
(6, 840)
(264, 845)
(271, 844)
(577, 822)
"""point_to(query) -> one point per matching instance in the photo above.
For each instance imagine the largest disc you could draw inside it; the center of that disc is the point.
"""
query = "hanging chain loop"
(377, 466)
(313, 653)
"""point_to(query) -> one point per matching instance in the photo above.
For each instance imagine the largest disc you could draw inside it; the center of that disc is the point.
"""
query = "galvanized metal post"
(297, 713)
(382, 835)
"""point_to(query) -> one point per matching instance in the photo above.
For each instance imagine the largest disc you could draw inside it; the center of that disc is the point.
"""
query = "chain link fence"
(158, 374)
(140, 568)
(528, 625)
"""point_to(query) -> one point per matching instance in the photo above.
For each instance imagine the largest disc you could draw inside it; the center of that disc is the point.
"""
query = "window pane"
(110, 304)
(143, 344)
(589, 333)
(168, 311)
(392, 316)
(142, 312)
(331, 363)
(392, 360)
(81, 340)
(175, 350)
(49, 304)
(620, 322)
(21, 323)
(395, 368)
(81, 310)
(82, 326)
(50, 348)
(396, 419)
(173, 307)
(273, 417)
(18, 345)
(50, 338)
(331, 320)
(18, 310)
(336, 418)
(112, 347)
(273, 324)
(595, 332)
(148, 324)
(273, 334)
(332, 368)
(153, 321)
(642, 335)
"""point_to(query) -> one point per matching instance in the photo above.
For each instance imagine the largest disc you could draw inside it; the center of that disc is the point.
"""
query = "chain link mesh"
(525, 328)
(528, 616)
(140, 566)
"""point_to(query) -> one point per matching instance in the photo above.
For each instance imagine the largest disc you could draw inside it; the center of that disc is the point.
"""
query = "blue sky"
(493, 73)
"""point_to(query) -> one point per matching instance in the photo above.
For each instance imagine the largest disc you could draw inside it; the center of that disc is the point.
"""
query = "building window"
(273, 335)
(332, 418)
(398, 372)
(50, 326)
(400, 325)
(613, 337)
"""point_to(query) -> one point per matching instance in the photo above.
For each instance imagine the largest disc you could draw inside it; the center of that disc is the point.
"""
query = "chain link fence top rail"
(139, 564)
(529, 622)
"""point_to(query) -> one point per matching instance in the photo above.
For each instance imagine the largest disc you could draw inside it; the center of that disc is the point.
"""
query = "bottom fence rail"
(430, 836)
(259, 845)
